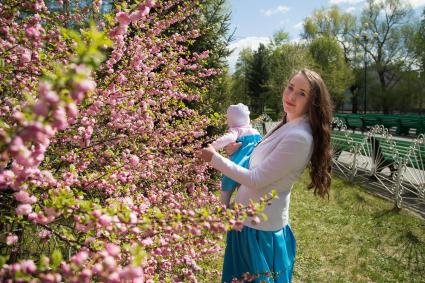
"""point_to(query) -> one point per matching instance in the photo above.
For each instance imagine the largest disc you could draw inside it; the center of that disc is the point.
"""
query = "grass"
(353, 237)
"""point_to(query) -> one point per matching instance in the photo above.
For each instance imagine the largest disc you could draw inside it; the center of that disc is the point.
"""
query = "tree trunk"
(385, 105)
(354, 104)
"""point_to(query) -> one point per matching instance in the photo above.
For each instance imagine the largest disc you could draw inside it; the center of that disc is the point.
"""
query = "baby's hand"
(232, 147)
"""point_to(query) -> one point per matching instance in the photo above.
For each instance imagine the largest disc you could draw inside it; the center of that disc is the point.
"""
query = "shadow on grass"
(408, 246)
(354, 200)
(411, 251)
(384, 214)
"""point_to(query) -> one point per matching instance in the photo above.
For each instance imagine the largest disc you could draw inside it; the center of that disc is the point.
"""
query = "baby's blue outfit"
(241, 157)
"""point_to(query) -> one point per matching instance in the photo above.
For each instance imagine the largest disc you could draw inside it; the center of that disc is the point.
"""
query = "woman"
(267, 249)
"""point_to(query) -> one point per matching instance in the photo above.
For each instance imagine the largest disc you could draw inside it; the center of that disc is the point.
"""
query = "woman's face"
(296, 97)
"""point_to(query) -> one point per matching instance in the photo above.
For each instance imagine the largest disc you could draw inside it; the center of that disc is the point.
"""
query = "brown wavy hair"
(320, 117)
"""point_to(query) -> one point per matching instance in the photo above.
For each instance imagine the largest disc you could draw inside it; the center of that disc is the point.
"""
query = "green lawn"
(353, 237)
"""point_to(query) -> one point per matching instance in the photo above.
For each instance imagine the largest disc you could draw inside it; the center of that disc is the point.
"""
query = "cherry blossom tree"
(99, 179)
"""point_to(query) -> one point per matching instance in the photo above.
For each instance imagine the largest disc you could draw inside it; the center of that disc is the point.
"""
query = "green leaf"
(56, 258)
(157, 213)
(43, 263)
(3, 260)
(4, 125)
(139, 254)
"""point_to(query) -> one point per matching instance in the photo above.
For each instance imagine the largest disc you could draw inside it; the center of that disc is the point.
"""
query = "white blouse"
(275, 164)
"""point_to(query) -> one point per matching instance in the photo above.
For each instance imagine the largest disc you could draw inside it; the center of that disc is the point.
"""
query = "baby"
(239, 130)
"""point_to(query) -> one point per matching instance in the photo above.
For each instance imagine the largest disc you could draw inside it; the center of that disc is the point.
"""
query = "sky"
(255, 21)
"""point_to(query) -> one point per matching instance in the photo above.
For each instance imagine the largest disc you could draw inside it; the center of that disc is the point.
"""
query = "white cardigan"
(275, 164)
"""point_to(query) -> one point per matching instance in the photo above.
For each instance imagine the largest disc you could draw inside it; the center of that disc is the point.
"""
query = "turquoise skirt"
(268, 255)
(241, 157)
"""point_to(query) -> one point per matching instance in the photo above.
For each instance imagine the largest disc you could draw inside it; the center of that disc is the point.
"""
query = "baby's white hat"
(238, 115)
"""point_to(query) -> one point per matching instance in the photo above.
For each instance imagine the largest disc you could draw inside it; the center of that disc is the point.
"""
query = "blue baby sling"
(241, 157)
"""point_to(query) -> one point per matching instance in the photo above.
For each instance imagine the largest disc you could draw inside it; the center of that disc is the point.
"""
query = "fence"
(392, 167)
(400, 124)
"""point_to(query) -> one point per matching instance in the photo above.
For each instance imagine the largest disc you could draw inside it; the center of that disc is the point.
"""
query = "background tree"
(384, 31)
(419, 48)
(420, 43)
(284, 60)
(215, 36)
(330, 63)
(239, 87)
(384, 26)
(257, 77)
(334, 25)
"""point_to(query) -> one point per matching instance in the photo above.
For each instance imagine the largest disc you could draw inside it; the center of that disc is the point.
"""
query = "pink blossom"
(16, 145)
(25, 56)
(145, 10)
(109, 262)
(86, 273)
(28, 266)
(112, 249)
(123, 18)
(16, 267)
(136, 16)
(255, 220)
(134, 160)
(23, 209)
(44, 87)
(32, 216)
(150, 3)
(32, 32)
(80, 257)
(51, 97)
(59, 116)
(96, 213)
(105, 220)
(133, 217)
(24, 197)
(85, 85)
(238, 225)
(40, 108)
(50, 212)
(131, 272)
(71, 110)
(11, 239)
(114, 277)
(44, 234)
(119, 30)
(65, 267)
(24, 158)
(97, 268)
(171, 73)
(147, 242)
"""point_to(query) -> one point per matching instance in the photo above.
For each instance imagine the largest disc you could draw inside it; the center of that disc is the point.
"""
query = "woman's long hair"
(320, 117)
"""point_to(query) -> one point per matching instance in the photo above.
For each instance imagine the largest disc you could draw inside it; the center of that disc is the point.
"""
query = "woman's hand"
(232, 148)
(207, 153)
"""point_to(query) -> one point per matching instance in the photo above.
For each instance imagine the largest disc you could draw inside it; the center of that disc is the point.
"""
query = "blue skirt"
(241, 157)
(268, 255)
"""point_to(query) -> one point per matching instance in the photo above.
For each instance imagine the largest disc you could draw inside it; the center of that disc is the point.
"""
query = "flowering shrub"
(99, 179)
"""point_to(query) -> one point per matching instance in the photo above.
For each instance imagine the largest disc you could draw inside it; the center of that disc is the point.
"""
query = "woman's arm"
(291, 154)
